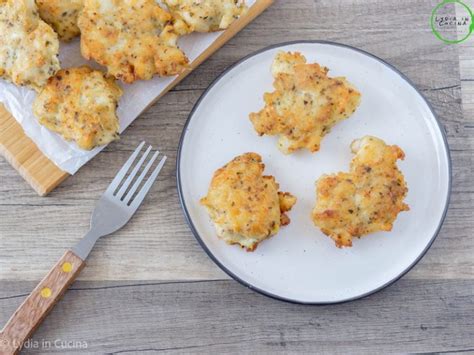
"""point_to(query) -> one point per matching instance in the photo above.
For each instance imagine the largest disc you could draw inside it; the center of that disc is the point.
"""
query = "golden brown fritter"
(80, 103)
(132, 38)
(206, 15)
(28, 46)
(62, 16)
(365, 200)
(245, 206)
(305, 105)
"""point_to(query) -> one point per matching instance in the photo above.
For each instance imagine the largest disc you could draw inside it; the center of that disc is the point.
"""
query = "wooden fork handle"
(37, 305)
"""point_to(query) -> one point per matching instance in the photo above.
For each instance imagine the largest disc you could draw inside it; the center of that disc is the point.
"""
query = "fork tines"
(129, 185)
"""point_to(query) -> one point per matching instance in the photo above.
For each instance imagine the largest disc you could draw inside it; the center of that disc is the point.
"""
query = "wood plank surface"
(222, 317)
(41, 173)
(191, 306)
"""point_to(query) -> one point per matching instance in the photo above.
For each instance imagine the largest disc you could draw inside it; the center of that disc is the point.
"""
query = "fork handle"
(37, 305)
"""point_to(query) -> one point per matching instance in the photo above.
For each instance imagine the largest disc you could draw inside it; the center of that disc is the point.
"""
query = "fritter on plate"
(132, 38)
(365, 200)
(246, 206)
(206, 15)
(79, 104)
(305, 105)
(62, 16)
(28, 46)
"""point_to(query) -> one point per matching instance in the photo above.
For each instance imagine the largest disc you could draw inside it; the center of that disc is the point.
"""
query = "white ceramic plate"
(300, 263)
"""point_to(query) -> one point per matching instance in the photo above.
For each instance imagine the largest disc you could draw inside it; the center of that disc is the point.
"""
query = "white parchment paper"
(137, 96)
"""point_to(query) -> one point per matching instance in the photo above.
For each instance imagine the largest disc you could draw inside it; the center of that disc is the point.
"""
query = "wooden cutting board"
(40, 172)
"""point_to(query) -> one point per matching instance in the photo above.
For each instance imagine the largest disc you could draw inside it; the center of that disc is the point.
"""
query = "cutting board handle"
(39, 303)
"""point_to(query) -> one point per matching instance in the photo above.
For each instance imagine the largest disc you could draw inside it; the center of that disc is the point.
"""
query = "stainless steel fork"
(114, 209)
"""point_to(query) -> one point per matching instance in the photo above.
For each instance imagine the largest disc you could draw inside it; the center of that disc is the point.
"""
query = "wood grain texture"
(34, 309)
(466, 63)
(223, 317)
(41, 173)
(183, 311)
(19, 150)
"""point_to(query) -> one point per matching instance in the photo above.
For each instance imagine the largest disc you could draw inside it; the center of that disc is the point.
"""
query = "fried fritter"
(28, 46)
(132, 38)
(62, 16)
(305, 105)
(365, 200)
(245, 206)
(206, 15)
(79, 104)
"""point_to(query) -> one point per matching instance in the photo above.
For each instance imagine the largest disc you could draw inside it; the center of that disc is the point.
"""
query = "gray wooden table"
(151, 287)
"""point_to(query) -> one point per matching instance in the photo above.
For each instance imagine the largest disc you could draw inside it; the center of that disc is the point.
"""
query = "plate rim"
(248, 284)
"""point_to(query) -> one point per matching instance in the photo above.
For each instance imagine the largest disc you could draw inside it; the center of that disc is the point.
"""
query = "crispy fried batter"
(365, 200)
(80, 103)
(246, 206)
(131, 38)
(62, 16)
(206, 15)
(305, 105)
(28, 46)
